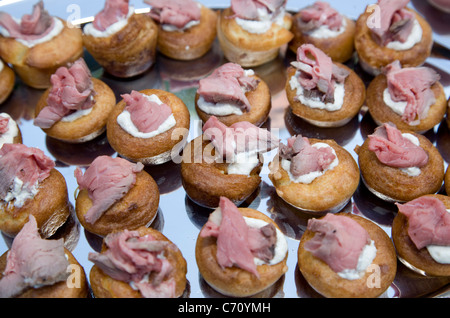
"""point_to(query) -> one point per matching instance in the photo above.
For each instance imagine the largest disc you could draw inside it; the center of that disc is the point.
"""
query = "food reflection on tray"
(300, 164)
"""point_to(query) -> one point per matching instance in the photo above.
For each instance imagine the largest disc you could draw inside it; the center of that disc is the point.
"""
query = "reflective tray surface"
(179, 218)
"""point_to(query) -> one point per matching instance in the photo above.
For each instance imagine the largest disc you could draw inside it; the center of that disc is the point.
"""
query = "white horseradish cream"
(414, 37)
(124, 120)
(21, 193)
(309, 177)
(190, 24)
(11, 133)
(441, 254)
(263, 24)
(339, 93)
(364, 260)
(57, 28)
(324, 32)
(1, 65)
(89, 28)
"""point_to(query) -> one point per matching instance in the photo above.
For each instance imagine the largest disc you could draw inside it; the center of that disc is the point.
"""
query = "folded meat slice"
(413, 85)
(174, 12)
(338, 241)
(3, 124)
(72, 89)
(31, 27)
(138, 260)
(113, 11)
(317, 72)
(304, 157)
(146, 115)
(107, 180)
(395, 150)
(395, 22)
(248, 9)
(228, 84)
(238, 138)
(29, 165)
(428, 221)
(318, 14)
(237, 243)
(32, 262)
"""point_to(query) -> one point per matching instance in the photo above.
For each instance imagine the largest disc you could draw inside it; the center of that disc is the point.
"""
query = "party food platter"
(181, 219)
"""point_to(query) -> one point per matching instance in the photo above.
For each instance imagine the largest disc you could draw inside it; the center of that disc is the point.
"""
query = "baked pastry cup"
(50, 206)
(13, 134)
(329, 192)
(247, 49)
(373, 57)
(78, 287)
(104, 286)
(138, 207)
(191, 43)
(393, 185)
(35, 65)
(447, 181)
(234, 281)
(155, 150)
(339, 48)
(128, 52)
(418, 260)
(328, 283)
(382, 113)
(355, 95)
(261, 103)
(206, 180)
(7, 81)
(87, 127)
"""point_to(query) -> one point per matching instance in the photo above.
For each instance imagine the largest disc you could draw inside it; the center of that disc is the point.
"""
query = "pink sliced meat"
(248, 9)
(237, 243)
(239, 137)
(228, 84)
(113, 11)
(132, 258)
(174, 12)
(338, 241)
(72, 90)
(396, 22)
(428, 221)
(28, 164)
(318, 72)
(318, 14)
(107, 180)
(3, 124)
(413, 85)
(31, 27)
(394, 150)
(304, 157)
(146, 115)
(32, 261)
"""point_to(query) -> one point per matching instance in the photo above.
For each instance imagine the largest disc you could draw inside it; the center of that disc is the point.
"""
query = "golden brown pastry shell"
(138, 207)
(392, 182)
(421, 260)
(329, 192)
(50, 206)
(103, 286)
(247, 49)
(35, 65)
(191, 43)
(234, 281)
(355, 95)
(143, 149)
(128, 52)
(339, 48)
(60, 289)
(381, 113)
(328, 283)
(260, 101)
(374, 57)
(7, 81)
(447, 181)
(86, 127)
(205, 181)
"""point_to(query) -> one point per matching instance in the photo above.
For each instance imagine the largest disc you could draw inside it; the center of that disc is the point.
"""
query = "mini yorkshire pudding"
(162, 137)
(36, 54)
(7, 81)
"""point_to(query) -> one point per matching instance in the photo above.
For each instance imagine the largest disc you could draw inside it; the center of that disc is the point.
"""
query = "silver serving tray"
(178, 217)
